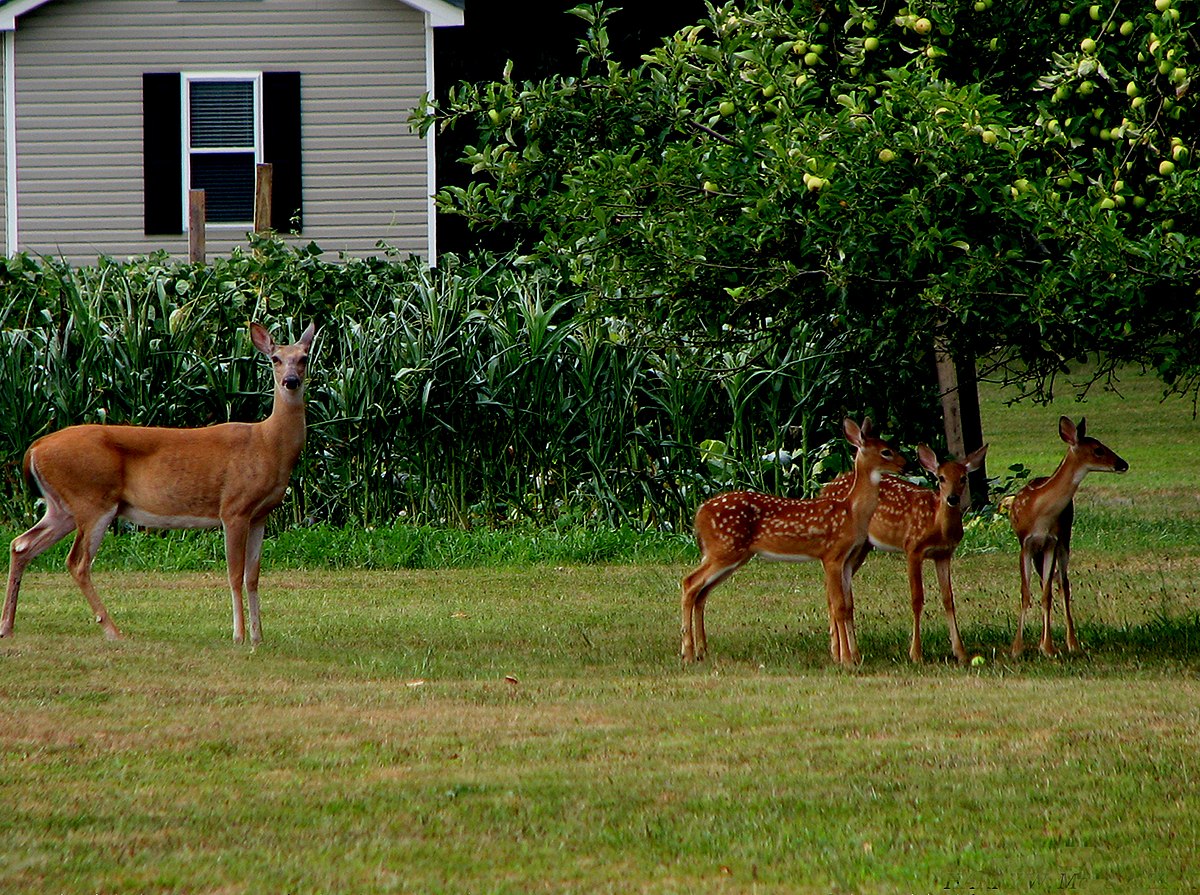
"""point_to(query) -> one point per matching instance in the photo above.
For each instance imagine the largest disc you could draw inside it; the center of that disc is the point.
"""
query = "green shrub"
(480, 393)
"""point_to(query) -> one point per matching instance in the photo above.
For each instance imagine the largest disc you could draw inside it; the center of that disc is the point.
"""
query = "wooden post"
(262, 197)
(971, 416)
(951, 409)
(959, 391)
(196, 224)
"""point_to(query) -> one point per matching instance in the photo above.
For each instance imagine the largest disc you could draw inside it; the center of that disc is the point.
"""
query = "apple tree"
(1009, 184)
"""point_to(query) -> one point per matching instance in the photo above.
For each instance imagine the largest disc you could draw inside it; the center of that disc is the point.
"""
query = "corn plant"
(476, 394)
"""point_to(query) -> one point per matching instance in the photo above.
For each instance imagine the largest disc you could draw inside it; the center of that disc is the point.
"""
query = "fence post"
(263, 175)
(196, 224)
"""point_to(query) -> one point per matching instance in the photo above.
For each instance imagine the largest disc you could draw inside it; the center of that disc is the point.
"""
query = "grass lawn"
(529, 729)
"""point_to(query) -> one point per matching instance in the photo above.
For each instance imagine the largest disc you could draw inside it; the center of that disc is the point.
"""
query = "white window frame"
(185, 83)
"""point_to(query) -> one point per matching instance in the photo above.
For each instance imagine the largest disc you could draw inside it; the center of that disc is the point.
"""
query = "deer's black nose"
(291, 383)
(952, 500)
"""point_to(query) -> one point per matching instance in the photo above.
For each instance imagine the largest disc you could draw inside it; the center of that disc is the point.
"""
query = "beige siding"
(79, 70)
(3, 144)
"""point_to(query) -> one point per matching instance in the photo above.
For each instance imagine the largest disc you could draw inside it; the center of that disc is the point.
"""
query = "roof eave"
(9, 12)
(442, 14)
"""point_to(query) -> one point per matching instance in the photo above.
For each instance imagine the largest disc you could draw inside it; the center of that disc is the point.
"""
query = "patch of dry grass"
(531, 730)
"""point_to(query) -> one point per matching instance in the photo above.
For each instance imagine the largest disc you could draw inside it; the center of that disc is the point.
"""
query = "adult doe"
(231, 475)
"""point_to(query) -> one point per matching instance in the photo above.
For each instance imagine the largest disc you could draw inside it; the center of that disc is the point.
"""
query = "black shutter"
(281, 147)
(162, 148)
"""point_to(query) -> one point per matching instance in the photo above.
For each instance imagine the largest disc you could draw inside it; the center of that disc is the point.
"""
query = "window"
(223, 138)
(209, 131)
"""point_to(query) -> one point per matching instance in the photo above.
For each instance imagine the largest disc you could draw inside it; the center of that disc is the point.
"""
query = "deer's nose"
(291, 382)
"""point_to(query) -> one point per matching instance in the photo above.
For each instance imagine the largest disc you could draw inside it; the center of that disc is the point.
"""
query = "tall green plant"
(477, 393)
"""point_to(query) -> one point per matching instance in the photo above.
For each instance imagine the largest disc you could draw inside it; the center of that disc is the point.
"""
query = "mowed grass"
(527, 728)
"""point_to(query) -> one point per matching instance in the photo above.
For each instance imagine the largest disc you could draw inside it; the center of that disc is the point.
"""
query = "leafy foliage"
(977, 174)
(478, 393)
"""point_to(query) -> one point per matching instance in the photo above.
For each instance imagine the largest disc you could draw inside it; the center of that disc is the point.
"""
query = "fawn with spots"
(733, 528)
(922, 524)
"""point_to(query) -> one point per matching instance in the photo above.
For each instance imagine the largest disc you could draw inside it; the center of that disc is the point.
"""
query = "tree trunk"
(958, 386)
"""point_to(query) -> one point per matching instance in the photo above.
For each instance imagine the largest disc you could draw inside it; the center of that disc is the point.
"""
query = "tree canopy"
(1013, 181)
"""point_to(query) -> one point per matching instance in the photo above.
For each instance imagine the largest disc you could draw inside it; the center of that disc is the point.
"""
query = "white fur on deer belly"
(887, 548)
(785, 557)
(153, 520)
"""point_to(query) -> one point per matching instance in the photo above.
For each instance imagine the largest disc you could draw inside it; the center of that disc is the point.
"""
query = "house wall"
(4, 50)
(6, 44)
(79, 66)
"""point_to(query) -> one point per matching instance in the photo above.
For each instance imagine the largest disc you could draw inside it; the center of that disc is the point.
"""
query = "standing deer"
(1041, 516)
(732, 528)
(232, 475)
(923, 525)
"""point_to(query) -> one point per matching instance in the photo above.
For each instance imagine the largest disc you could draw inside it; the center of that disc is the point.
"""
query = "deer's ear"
(975, 459)
(854, 434)
(928, 458)
(262, 339)
(309, 334)
(1067, 431)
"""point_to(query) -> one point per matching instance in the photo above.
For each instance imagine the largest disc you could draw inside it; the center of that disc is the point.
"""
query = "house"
(114, 109)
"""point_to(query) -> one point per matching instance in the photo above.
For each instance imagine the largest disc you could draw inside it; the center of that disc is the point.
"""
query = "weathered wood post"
(196, 224)
(263, 175)
(948, 390)
(959, 390)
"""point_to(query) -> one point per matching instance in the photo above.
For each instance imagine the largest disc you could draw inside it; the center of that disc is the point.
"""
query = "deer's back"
(905, 511)
(774, 527)
(157, 476)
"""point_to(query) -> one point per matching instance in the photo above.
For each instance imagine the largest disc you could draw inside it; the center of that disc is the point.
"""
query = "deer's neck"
(285, 426)
(1060, 488)
(948, 520)
(864, 495)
